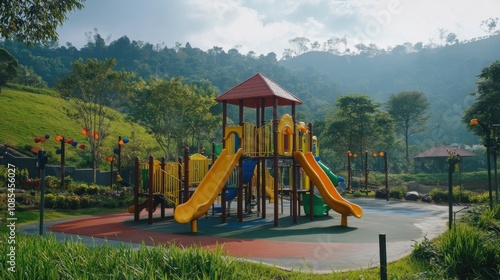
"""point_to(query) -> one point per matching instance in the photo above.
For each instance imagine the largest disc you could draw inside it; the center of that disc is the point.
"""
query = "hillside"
(446, 75)
(26, 115)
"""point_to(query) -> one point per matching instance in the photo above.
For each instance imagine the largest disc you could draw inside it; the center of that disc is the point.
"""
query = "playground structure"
(282, 144)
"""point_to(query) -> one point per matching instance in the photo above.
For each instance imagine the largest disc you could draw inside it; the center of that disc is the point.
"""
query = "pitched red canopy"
(256, 88)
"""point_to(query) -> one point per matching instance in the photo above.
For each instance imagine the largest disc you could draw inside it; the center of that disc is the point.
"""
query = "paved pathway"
(321, 245)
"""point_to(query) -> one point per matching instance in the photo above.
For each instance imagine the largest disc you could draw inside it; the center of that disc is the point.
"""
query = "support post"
(63, 160)
(383, 256)
(150, 189)
(136, 189)
(311, 185)
(275, 161)
(386, 172)
(186, 174)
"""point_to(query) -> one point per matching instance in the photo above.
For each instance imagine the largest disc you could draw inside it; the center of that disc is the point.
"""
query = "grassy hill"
(25, 115)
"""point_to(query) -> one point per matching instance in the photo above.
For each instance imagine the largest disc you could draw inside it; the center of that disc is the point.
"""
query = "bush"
(438, 195)
(92, 190)
(466, 254)
(426, 251)
(52, 182)
(398, 192)
(61, 202)
(80, 190)
(73, 202)
(85, 201)
(480, 198)
(50, 200)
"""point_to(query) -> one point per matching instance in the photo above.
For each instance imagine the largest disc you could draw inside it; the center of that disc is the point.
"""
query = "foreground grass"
(468, 251)
(46, 258)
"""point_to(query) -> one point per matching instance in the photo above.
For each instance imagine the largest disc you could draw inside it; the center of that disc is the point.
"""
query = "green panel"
(334, 178)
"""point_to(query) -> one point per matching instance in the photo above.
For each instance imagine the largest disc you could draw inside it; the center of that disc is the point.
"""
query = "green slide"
(330, 174)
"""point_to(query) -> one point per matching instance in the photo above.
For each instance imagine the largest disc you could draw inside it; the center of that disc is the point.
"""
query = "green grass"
(469, 251)
(28, 115)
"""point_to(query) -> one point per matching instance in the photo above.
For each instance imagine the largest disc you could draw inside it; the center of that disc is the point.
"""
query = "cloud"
(265, 26)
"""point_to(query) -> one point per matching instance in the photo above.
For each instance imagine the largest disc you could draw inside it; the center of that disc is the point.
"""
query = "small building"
(435, 159)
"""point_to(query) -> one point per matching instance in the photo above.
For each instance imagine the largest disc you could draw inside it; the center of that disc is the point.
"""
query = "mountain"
(446, 75)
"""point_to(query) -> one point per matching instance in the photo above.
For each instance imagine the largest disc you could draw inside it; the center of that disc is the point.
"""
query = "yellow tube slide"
(209, 188)
(326, 188)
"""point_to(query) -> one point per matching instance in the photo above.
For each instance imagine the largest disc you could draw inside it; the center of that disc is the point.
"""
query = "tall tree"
(34, 21)
(410, 111)
(8, 67)
(357, 125)
(177, 114)
(94, 87)
(486, 107)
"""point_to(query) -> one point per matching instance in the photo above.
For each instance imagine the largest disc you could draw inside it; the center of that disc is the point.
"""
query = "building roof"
(442, 151)
(256, 88)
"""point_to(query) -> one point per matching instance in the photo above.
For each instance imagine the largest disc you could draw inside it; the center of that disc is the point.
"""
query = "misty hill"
(446, 75)
(445, 72)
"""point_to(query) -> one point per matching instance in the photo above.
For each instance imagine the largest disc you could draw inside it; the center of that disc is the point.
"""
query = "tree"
(299, 45)
(8, 67)
(357, 125)
(409, 109)
(94, 87)
(34, 21)
(177, 114)
(486, 107)
(26, 76)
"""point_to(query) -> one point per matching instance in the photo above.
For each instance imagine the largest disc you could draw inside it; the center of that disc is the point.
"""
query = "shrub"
(427, 252)
(398, 192)
(438, 195)
(80, 190)
(480, 198)
(68, 181)
(61, 202)
(50, 200)
(465, 253)
(92, 190)
(85, 201)
(73, 202)
(52, 182)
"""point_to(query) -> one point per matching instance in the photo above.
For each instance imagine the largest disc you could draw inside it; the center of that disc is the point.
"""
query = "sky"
(265, 26)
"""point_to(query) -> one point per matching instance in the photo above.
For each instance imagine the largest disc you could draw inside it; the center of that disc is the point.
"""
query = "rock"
(413, 196)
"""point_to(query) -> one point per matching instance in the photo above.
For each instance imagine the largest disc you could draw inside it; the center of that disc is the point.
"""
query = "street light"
(384, 156)
(487, 130)
(349, 170)
(496, 148)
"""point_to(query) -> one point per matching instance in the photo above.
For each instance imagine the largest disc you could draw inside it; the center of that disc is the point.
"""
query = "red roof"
(442, 151)
(256, 88)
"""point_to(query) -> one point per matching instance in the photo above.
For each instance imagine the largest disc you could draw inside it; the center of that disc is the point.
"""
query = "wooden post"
(240, 171)
(311, 185)
(275, 160)
(294, 199)
(63, 160)
(186, 174)
(150, 189)
(223, 197)
(136, 189)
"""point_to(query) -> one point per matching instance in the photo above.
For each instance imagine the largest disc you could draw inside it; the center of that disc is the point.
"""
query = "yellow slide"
(326, 187)
(269, 184)
(209, 188)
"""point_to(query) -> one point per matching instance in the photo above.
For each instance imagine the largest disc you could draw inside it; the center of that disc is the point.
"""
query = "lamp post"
(118, 152)
(385, 170)
(487, 130)
(349, 169)
(496, 148)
